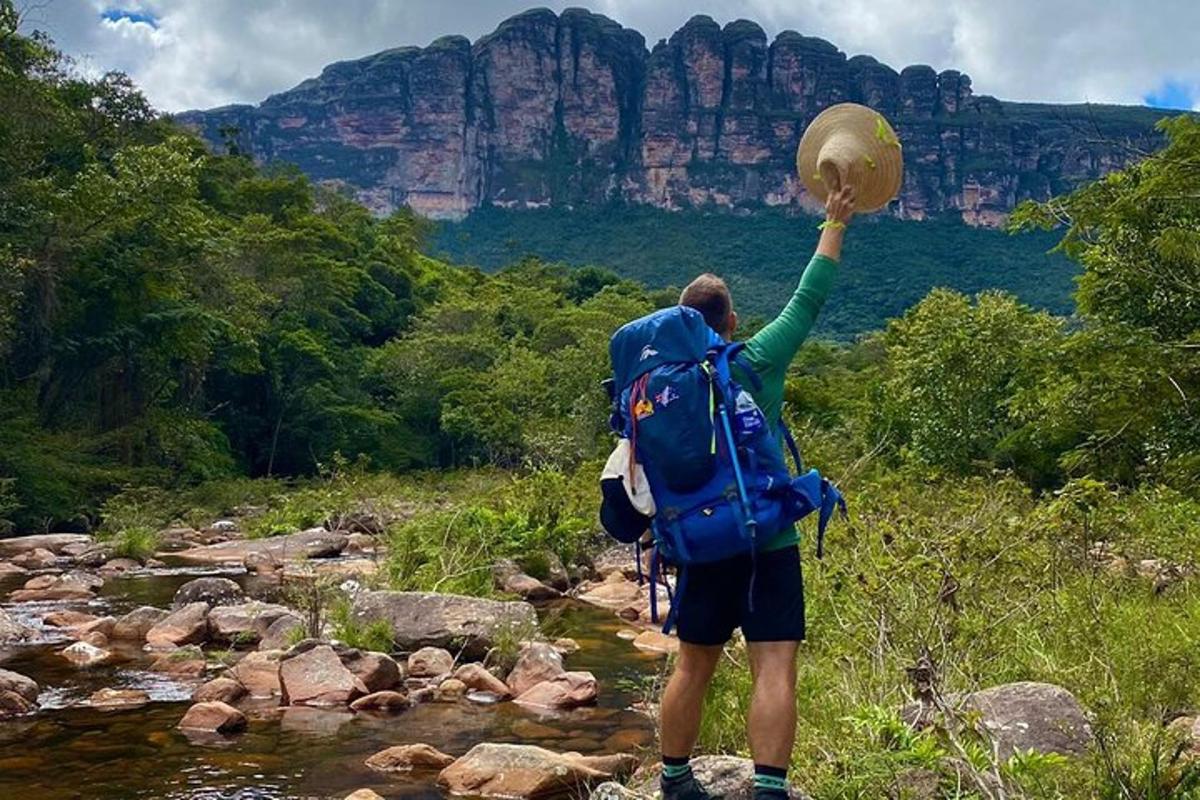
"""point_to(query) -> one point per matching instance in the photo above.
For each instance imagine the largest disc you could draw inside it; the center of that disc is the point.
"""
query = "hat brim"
(858, 142)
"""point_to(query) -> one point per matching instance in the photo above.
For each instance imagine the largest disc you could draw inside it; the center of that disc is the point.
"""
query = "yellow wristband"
(837, 224)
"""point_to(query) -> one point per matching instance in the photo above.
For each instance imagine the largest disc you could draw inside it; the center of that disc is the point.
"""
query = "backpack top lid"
(677, 334)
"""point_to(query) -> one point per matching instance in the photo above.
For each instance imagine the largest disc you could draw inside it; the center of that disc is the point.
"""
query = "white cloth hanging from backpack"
(637, 488)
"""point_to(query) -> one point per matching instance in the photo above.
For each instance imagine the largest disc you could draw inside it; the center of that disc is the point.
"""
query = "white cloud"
(210, 52)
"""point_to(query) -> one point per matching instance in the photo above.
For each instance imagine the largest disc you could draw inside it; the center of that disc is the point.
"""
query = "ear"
(733, 323)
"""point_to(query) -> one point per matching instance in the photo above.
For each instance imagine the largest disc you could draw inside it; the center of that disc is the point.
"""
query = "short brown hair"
(709, 295)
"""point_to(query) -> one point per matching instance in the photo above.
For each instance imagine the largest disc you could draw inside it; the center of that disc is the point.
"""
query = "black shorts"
(716, 599)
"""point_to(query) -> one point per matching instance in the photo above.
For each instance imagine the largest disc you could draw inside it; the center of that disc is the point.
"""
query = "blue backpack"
(716, 470)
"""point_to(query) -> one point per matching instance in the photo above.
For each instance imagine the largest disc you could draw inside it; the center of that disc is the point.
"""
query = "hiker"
(715, 603)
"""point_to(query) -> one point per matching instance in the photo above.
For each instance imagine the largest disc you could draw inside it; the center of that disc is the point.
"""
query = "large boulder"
(525, 771)
(478, 679)
(54, 542)
(536, 662)
(421, 619)
(568, 690)
(214, 717)
(18, 694)
(408, 758)
(225, 690)
(188, 625)
(317, 677)
(282, 632)
(245, 622)
(13, 631)
(35, 559)
(314, 543)
(381, 701)
(377, 671)
(1031, 716)
(259, 673)
(182, 662)
(214, 591)
(137, 623)
(728, 777)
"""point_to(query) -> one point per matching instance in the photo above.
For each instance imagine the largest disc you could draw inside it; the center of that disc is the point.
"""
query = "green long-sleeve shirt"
(770, 351)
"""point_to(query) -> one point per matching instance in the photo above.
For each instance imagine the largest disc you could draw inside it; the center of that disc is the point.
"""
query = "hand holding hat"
(850, 144)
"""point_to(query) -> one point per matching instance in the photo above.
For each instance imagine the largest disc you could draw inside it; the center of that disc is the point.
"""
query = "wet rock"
(137, 623)
(225, 690)
(377, 671)
(72, 586)
(213, 591)
(259, 673)
(728, 777)
(451, 690)
(528, 729)
(82, 654)
(381, 701)
(409, 758)
(565, 646)
(475, 677)
(184, 662)
(364, 794)
(536, 663)
(568, 690)
(430, 662)
(101, 625)
(18, 694)
(245, 622)
(119, 566)
(112, 699)
(525, 771)
(656, 642)
(315, 543)
(318, 678)
(213, 717)
(12, 631)
(187, 625)
(94, 556)
(35, 559)
(9, 570)
(279, 636)
(315, 721)
(94, 638)
(420, 619)
(54, 542)
(67, 618)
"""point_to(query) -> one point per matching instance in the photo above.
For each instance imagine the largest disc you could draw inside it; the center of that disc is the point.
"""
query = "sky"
(204, 53)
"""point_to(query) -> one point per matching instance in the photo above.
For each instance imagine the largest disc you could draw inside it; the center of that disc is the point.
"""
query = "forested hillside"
(888, 264)
(186, 336)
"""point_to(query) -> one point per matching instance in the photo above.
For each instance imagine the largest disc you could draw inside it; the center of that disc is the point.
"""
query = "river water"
(71, 750)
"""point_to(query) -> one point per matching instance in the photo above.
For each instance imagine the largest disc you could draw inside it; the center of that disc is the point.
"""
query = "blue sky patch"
(1172, 94)
(118, 14)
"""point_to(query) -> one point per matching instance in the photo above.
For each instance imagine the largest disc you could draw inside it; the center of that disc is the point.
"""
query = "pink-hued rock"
(656, 642)
(475, 677)
(381, 701)
(118, 698)
(13, 631)
(568, 690)
(525, 771)
(315, 543)
(82, 654)
(537, 662)
(214, 717)
(35, 559)
(377, 671)
(137, 623)
(408, 758)
(259, 673)
(54, 542)
(430, 662)
(317, 677)
(66, 618)
(18, 694)
(225, 690)
(188, 625)
(182, 662)
(71, 586)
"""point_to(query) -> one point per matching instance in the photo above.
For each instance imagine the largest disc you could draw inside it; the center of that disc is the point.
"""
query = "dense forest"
(888, 264)
(184, 333)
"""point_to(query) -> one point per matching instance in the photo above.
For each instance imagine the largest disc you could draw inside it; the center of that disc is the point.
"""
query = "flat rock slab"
(525, 771)
(315, 543)
(1032, 716)
(427, 619)
(54, 542)
(409, 757)
(317, 677)
(728, 777)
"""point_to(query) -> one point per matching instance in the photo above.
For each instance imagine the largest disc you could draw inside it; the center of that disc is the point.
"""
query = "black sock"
(770, 782)
(676, 769)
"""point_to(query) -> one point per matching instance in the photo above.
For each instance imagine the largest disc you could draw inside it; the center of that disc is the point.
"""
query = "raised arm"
(772, 349)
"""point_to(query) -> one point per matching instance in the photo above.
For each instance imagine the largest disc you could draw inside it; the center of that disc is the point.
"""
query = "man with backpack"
(763, 593)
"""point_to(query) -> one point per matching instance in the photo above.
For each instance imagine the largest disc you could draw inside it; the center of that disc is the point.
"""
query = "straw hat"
(856, 142)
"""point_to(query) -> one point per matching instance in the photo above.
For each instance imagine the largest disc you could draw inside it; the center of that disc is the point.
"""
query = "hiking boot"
(685, 788)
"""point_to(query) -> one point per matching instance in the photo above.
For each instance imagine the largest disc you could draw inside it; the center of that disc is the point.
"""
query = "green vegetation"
(186, 337)
(888, 265)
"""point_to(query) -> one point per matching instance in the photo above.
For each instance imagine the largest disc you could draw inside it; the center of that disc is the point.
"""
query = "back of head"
(709, 295)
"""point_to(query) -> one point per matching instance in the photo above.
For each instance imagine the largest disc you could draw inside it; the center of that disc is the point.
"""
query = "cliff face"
(572, 109)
